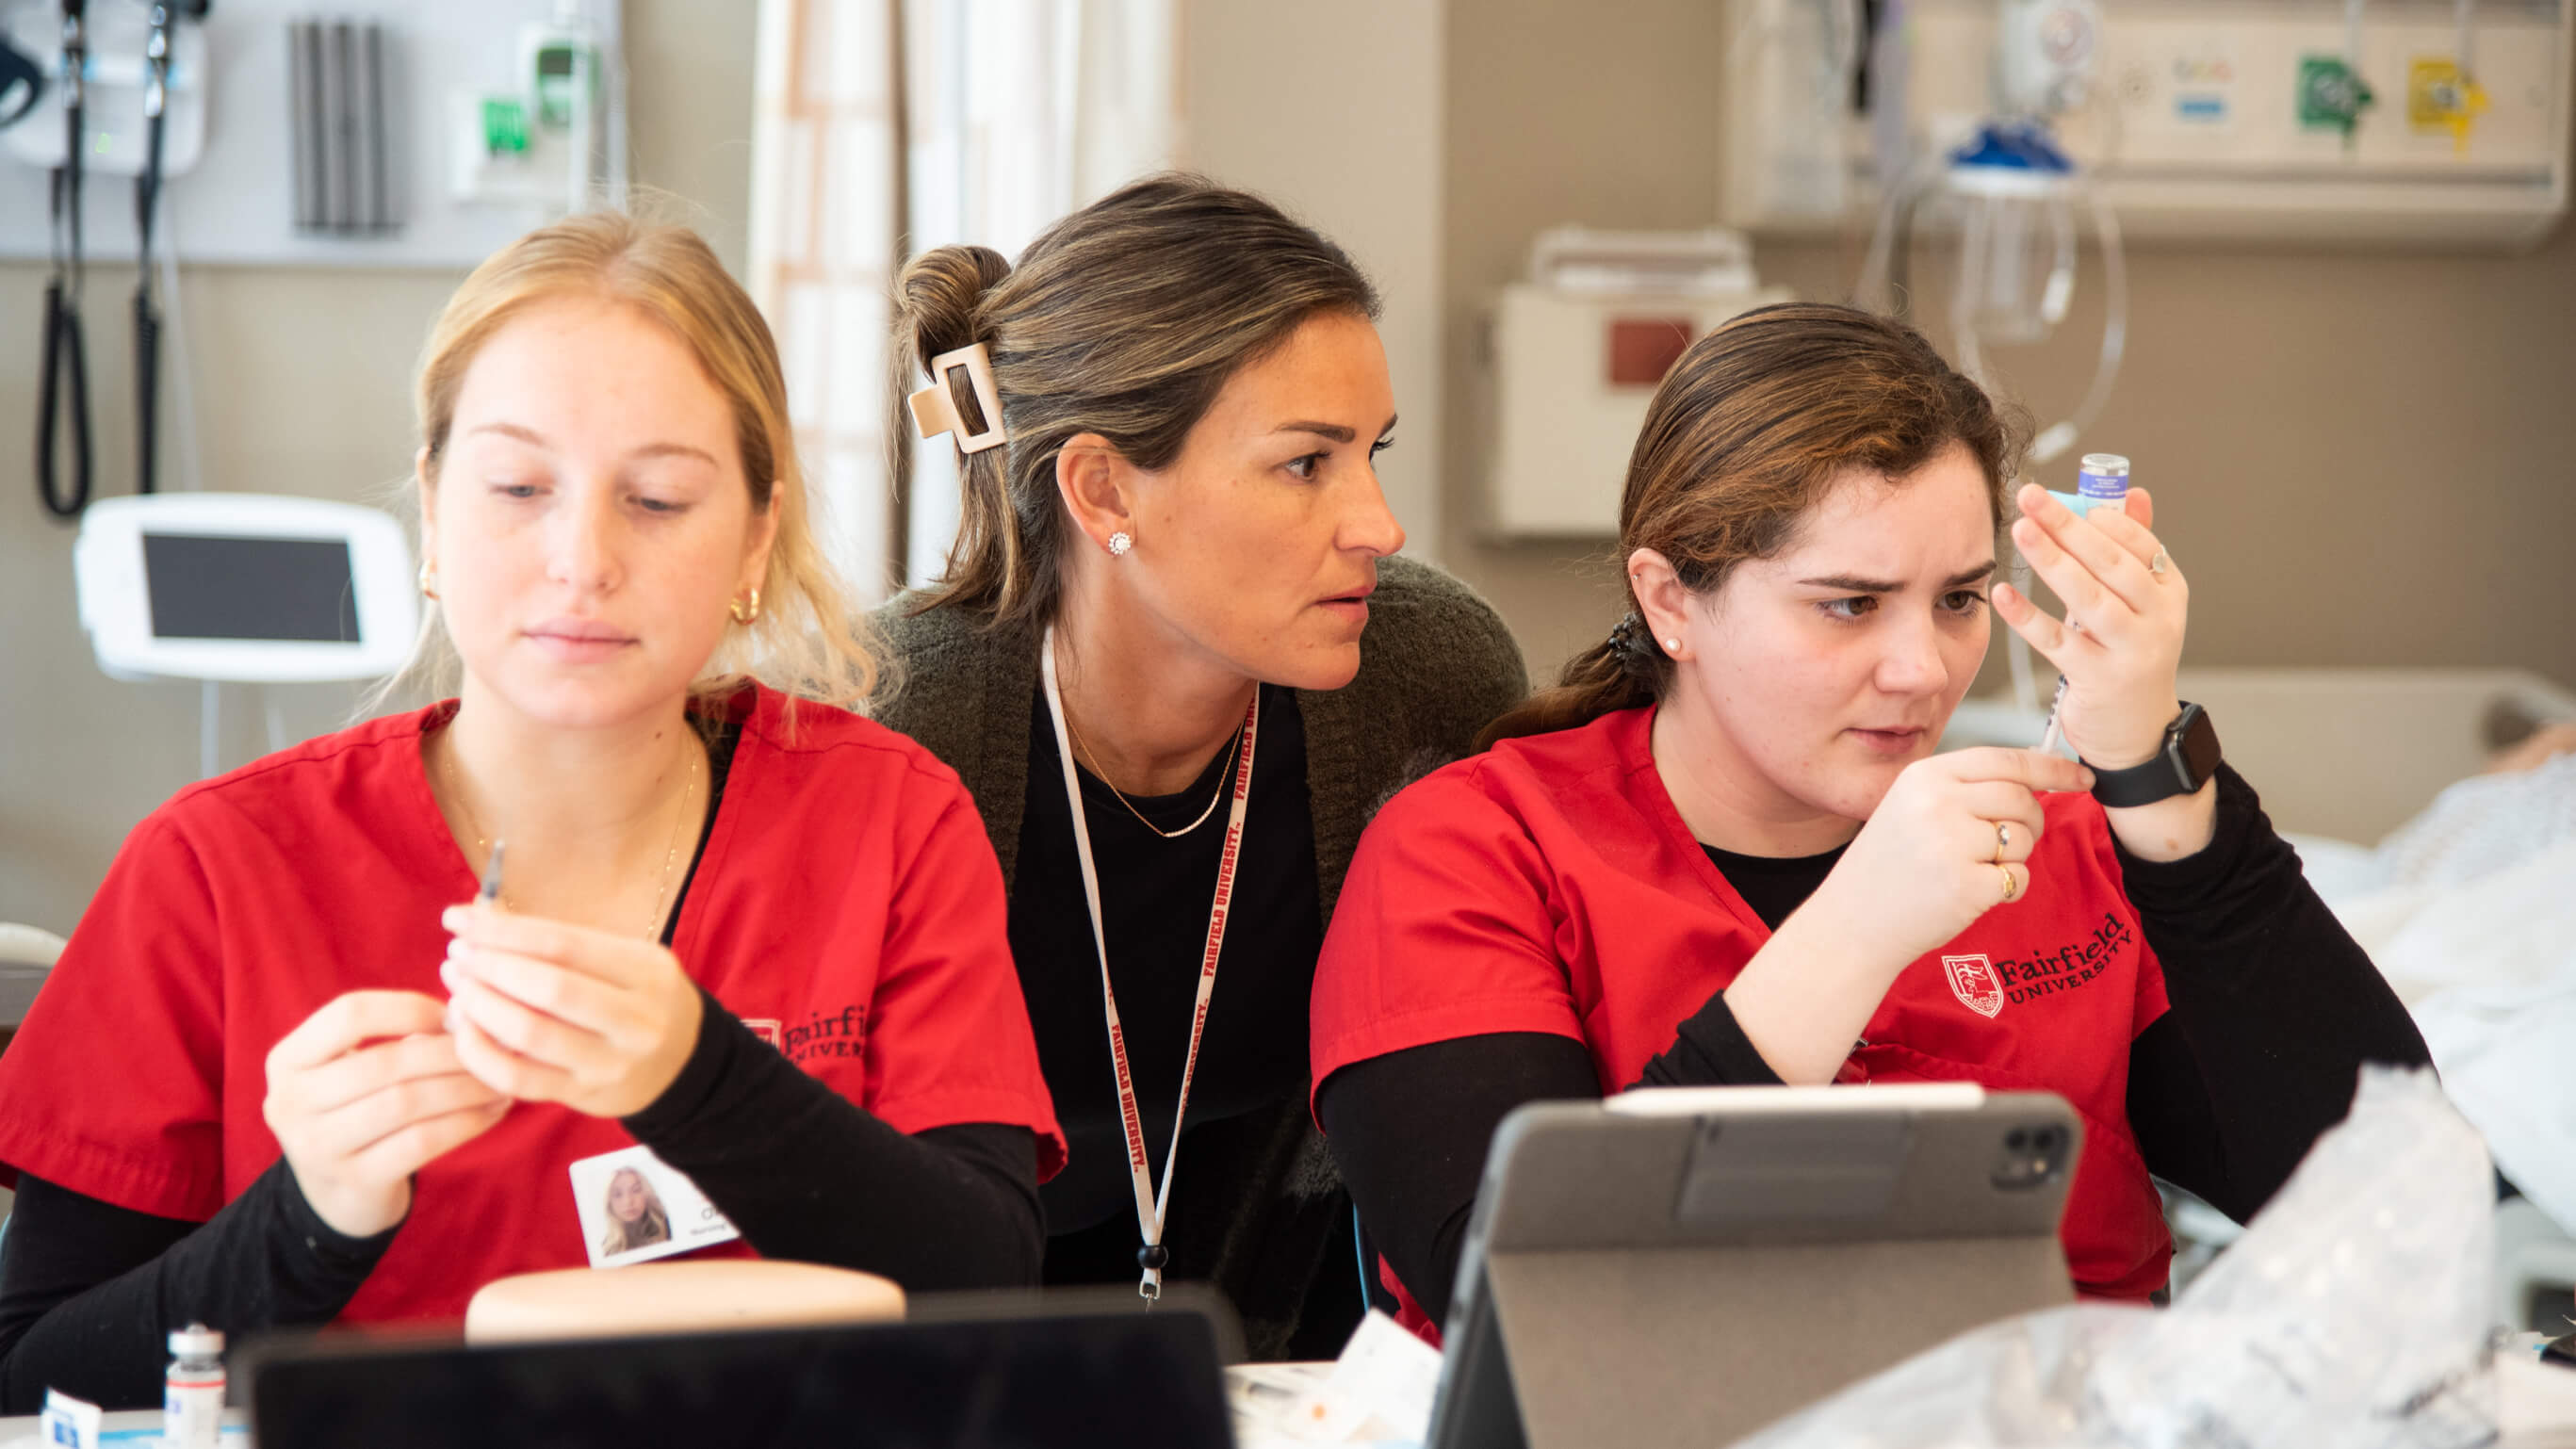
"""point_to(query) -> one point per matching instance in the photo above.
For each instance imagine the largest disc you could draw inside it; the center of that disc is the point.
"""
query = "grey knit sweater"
(1436, 665)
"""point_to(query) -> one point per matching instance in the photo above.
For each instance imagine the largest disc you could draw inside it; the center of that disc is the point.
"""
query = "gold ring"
(2012, 883)
(2003, 839)
(2161, 562)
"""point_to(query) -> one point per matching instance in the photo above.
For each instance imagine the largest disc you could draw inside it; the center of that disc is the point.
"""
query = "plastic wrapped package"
(2353, 1312)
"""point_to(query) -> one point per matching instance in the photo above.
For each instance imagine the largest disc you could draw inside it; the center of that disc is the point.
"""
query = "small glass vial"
(192, 1398)
(2104, 478)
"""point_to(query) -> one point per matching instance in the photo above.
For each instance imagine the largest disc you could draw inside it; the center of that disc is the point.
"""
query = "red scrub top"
(848, 906)
(1549, 885)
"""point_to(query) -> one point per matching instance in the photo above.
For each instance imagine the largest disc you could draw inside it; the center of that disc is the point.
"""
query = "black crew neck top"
(1155, 898)
(1774, 885)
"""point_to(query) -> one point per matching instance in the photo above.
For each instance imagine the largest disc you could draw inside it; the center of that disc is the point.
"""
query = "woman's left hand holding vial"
(2129, 604)
(550, 1012)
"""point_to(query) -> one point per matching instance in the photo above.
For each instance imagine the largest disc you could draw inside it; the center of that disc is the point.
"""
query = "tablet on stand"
(244, 588)
(1678, 1267)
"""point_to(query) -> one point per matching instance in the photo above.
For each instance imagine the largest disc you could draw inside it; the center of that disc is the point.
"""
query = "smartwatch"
(2187, 759)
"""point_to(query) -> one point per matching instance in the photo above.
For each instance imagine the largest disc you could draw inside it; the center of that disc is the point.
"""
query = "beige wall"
(302, 386)
(2360, 458)
(1333, 109)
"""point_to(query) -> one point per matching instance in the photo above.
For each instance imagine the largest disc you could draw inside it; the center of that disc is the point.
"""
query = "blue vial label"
(2101, 485)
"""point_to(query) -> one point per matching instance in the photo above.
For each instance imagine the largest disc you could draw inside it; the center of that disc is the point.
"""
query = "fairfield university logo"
(1986, 986)
(1973, 981)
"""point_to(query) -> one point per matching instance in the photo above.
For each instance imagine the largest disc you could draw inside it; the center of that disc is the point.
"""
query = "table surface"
(126, 1429)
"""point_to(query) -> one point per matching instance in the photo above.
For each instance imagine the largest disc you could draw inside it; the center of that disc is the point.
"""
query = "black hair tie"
(1633, 645)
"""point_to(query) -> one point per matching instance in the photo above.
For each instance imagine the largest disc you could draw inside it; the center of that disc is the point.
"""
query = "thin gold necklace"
(1235, 750)
(670, 852)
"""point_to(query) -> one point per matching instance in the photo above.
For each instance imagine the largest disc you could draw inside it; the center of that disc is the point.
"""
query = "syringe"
(2101, 481)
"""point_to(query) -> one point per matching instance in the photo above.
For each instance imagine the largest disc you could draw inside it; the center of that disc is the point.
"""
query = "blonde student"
(290, 1071)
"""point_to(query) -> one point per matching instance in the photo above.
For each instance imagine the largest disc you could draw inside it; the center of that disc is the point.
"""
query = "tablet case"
(1685, 1278)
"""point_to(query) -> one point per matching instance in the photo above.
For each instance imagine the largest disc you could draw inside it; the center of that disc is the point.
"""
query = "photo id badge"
(635, 1207)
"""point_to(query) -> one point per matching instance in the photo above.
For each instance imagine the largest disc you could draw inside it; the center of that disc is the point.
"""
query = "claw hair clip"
(934, 408)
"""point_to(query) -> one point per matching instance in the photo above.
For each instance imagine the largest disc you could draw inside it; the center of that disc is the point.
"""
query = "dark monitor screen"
(210, 586)
(1138, 1381)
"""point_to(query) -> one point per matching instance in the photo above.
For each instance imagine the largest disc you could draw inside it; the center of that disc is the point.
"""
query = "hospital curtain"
(889, 126)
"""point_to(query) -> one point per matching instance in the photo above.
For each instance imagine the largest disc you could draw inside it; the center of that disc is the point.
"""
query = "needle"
(490, 894)
(2047, 737)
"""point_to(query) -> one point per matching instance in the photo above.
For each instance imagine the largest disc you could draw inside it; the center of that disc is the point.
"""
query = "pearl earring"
(1119, 543)
(1673, 646)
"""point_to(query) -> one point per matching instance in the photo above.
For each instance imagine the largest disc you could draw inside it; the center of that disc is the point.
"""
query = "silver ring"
(2160, 563)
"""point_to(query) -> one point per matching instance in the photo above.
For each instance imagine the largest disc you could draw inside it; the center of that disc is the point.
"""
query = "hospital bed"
(2343, 758)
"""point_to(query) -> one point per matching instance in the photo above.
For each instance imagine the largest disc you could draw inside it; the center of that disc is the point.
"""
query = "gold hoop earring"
(745, 613)
(428, 579)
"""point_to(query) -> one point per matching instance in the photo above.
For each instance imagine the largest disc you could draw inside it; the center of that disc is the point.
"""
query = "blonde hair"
(653, 1227)
(1124, 319)
(806, 643)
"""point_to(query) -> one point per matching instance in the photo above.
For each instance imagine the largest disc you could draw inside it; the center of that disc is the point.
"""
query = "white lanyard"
(1151, 1206)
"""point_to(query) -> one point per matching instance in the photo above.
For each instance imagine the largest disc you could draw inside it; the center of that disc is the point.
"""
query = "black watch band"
(2187, 759)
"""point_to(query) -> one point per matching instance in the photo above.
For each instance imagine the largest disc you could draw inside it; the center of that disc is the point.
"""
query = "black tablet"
(1148, 1380)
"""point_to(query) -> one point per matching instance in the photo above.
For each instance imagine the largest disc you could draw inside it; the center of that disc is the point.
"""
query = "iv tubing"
(2053, 441)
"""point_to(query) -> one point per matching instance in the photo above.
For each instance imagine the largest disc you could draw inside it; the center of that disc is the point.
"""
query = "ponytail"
(1621, 672)
(940, 300)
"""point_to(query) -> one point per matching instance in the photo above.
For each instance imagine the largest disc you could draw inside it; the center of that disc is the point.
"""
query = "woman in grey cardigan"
(1175, 661)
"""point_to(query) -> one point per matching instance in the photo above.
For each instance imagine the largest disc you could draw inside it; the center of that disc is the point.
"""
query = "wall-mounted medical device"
(1577, 350)
(22, 81)
(554, 134)
(244, 587)
(129, 84)
(340, 82)
(317, 146)
(2355, 122)
(119, 67)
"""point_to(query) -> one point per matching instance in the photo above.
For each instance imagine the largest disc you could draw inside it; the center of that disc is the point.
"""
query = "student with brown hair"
(1177, 661)
(737, 925)
(1723, 851)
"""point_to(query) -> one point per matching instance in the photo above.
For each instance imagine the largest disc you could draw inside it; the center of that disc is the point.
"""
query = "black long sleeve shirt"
(2271, 1010)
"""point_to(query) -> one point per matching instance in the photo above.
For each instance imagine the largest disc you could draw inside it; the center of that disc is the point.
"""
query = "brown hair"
(1124, 319)
(1752, 428)
(806, 642)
